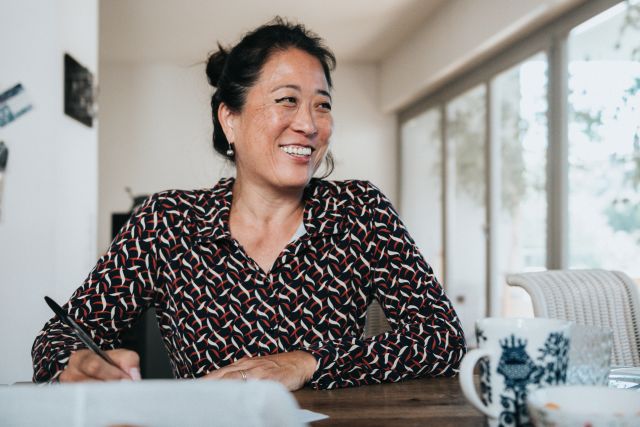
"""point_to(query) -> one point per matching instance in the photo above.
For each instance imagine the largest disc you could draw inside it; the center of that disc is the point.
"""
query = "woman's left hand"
(292, 369)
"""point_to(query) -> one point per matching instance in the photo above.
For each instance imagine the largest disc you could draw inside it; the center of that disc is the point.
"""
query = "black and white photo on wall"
(78, 91)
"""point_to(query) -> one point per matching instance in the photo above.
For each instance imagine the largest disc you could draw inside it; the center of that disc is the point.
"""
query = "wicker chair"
(589, 297)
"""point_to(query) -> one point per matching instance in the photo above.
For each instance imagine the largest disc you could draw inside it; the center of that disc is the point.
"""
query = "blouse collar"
(323, 210)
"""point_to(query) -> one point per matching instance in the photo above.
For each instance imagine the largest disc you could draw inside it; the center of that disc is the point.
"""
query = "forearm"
(416, 350)
(112, 297)
(51, 350)
(427, 338)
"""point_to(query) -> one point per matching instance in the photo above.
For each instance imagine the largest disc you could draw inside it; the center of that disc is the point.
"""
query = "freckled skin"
(266, 122)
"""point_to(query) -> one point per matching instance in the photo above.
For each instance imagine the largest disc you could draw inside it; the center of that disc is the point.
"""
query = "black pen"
(82, 335)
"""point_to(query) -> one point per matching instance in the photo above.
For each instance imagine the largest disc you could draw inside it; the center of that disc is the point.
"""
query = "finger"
(237, 375)
(241, 364)
(232, 371)
(244, 363)
(72, 373)
(270, 372)
(95, 367)
(213, 375)
(81, 366)
(252, 362)
(128, 361)
(219, 373)
(263, 370)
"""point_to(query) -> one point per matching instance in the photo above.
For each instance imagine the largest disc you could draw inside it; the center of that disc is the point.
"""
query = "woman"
(268, 275)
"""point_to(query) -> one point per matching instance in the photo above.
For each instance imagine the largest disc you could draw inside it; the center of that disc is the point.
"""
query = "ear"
(227, 119)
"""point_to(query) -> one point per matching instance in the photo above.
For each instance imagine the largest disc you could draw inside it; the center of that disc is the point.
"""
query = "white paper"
(150, 403)
(306, 416)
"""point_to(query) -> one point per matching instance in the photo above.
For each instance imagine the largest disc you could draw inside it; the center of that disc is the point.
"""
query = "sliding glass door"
(497, 179)
(465, 180)
(421, 175)
(521, 131)
(604, 141)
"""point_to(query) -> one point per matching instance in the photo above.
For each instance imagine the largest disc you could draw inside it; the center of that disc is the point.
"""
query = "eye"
(325, 106)
(287, 100)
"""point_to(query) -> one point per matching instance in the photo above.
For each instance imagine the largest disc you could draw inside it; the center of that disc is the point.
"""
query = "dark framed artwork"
(78, 91)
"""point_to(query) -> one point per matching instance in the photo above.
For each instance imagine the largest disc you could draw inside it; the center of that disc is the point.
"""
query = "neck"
(264, 205)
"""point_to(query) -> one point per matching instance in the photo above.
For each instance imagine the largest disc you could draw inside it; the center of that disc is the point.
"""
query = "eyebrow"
(296, 87)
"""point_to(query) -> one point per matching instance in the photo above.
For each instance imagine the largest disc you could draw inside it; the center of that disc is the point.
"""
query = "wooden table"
(421, 402)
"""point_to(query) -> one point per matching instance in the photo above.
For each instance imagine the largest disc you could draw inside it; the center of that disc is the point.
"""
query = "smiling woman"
(268, 275)
(235, 73)
(282, 132)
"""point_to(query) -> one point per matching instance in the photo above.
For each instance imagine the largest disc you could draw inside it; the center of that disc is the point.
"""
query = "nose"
(304, 121)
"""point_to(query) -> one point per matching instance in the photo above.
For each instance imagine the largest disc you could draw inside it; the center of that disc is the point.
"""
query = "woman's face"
(282, 133)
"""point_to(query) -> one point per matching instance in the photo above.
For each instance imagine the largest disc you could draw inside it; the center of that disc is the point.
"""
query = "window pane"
(466, 281)
(604, 141)
(421, 175)
(521, 96)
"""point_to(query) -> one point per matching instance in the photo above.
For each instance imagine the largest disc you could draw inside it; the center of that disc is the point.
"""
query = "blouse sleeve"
(426, 340)
(113, 296)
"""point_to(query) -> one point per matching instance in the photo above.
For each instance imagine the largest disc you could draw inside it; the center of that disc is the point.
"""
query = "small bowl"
(584, 406)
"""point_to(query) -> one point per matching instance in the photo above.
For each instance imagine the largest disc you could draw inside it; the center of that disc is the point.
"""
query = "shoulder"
(349, 202)
(182, 204)
(352, 191)
(174, 201)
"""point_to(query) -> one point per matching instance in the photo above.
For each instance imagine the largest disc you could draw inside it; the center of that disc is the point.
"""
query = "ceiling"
(184, 31)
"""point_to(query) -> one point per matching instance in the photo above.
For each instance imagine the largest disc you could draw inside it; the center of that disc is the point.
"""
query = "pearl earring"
(230, 151)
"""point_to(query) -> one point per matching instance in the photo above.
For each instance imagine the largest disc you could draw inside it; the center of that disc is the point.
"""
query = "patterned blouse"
(215, 305)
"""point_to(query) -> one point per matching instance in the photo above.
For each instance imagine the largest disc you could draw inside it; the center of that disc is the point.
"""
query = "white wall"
(364, 140)
(455, 37)
(48, 224)
(155, 133)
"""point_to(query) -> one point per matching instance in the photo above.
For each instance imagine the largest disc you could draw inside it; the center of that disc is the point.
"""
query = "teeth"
(299, 151)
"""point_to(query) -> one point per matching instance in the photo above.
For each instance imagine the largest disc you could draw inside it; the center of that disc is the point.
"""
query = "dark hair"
(234, 71)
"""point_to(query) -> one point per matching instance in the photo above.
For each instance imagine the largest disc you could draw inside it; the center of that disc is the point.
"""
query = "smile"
(297, 150)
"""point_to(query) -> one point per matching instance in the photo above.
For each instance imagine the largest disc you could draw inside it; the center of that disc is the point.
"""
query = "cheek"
(325, 128)
(273, 123)
(262, 117)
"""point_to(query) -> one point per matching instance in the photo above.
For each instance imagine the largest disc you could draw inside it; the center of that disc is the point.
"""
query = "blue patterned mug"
(516, 356)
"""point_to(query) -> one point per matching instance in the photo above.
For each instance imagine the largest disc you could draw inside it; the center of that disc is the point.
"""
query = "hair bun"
(215, 65)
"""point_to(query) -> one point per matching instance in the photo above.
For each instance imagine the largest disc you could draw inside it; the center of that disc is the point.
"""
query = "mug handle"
(466, 380)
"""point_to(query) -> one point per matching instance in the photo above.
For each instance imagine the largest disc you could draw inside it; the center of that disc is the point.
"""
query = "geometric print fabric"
(215, 305)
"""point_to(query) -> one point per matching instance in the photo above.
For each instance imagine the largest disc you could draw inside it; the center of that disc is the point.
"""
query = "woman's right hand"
(85, 365)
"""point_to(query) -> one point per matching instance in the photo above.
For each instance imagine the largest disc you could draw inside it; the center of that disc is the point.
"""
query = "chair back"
(376, 323)
(589, 297)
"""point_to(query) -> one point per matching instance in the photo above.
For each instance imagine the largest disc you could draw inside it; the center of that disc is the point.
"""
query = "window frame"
(550, 39)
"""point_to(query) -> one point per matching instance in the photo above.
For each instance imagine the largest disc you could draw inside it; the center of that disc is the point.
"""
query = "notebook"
(155, 403)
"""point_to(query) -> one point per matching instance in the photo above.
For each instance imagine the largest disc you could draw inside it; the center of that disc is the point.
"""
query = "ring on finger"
(243, 374)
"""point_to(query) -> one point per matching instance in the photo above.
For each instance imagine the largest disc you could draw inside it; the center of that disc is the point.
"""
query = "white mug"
(515, 356)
